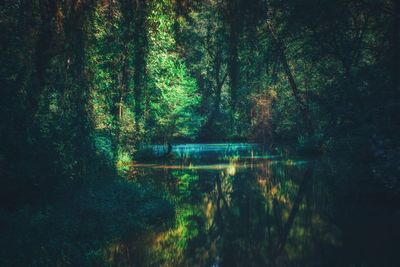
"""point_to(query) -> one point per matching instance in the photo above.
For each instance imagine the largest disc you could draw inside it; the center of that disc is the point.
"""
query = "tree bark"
(233, 53)
(140, 39)
(302, 105)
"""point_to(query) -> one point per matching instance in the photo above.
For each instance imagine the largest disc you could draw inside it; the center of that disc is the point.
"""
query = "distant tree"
(173, 93)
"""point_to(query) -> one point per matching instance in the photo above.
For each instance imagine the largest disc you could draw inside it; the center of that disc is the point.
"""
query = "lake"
(241, 205)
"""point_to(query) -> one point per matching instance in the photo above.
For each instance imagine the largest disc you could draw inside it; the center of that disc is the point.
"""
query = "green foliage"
(188, 187)
(86, 86)
(79, 231)
(174, 97)
(188, 221)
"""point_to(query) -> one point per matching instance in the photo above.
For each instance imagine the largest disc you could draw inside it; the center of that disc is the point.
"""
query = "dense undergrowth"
(77, 230)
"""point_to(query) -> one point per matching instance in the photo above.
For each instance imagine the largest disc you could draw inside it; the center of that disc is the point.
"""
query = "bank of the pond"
(78, 230)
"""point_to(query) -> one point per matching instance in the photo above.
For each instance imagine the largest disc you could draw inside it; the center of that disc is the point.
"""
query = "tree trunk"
(233, 12)
(140, 39)
(302, 105)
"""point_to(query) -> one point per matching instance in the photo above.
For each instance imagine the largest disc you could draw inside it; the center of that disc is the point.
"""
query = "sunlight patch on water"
(211, 150)
(228, 157)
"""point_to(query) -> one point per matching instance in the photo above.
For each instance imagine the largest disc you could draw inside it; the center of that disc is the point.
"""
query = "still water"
(240, 205)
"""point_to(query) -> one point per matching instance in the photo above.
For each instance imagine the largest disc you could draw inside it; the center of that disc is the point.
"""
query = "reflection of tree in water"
(244, 217)
(266, 211)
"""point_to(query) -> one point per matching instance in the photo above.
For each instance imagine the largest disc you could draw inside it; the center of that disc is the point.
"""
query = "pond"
(240, 205)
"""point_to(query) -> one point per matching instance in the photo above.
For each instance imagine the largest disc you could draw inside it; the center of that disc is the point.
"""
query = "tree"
(173, 95)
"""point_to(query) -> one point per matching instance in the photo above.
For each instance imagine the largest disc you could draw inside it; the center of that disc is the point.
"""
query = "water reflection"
(239, 210)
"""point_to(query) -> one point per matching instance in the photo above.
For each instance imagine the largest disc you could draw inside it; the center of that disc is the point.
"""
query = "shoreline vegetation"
(199, 133)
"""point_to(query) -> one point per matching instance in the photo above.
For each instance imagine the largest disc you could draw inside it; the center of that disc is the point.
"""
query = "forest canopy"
(87, 85)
